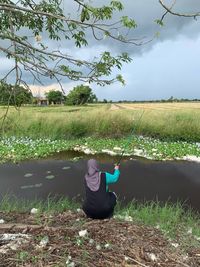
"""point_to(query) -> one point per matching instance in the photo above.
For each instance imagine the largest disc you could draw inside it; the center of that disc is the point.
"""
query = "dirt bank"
(70, 239)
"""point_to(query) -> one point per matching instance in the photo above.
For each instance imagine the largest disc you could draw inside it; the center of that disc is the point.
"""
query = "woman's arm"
(112, 178)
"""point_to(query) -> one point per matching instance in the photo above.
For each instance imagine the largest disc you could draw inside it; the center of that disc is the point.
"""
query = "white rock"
(152, 256)
(98, 247)
(128, 218)
(68, 259)
(10, 237)
(197, 238)
(189, 231)
(91, 241)
(107, 245)
(71, 264)
(126, 258)
(2, 221)
(78, 210)
(34, 211)
(83, 233)
(175, 245)
(12, 241)
(44, 242)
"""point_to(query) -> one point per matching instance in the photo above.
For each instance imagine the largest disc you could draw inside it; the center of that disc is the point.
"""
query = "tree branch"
(169, 10)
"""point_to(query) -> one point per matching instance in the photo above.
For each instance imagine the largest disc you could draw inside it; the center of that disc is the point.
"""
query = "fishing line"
(131, 136)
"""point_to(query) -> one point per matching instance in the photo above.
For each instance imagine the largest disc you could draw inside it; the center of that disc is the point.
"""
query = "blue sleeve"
(112, 178)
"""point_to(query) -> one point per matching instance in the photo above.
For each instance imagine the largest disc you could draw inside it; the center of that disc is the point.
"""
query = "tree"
(80, 95)
(14, 95)
(47, 18)
(55, 97)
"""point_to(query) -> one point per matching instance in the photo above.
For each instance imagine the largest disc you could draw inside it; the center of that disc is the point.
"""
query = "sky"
(167, 66)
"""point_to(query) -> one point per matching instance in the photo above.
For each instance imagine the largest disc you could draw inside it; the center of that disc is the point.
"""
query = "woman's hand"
(116, 167)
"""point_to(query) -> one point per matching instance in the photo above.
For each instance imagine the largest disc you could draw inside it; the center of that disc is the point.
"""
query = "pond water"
(140, 179)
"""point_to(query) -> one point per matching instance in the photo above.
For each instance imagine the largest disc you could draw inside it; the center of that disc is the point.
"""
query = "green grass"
(173, 220)
(50, 205)
(99, 121)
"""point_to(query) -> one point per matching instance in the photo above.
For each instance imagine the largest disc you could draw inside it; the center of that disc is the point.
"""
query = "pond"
(140, 179)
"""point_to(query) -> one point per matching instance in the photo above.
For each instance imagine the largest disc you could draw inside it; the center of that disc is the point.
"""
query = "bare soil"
(107, 243)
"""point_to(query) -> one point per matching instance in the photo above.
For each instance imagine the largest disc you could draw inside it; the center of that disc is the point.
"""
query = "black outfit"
(99, 204)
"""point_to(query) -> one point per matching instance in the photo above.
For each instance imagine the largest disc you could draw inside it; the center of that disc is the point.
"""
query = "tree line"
(15, 95)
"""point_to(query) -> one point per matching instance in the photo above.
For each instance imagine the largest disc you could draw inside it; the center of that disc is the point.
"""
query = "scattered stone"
(126, 258)
(78, 210)
(175, 245)
(71, 264)
(98, 247)
(197, 238)
(91, 241)
(68, 259)
(44, 242)
(34, 211)
(107, 245)
(152, 256)
(189, 231)
(2, 221)
(12, 241)
(128, 218)
(83, 233)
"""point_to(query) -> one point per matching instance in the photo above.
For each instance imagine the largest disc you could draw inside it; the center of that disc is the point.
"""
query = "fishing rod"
(130, 138)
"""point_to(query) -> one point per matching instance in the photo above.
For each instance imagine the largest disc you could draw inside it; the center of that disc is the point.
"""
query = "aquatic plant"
(17, 149)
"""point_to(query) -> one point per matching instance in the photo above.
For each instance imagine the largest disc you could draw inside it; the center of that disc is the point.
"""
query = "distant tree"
(80, 95)
(55, 97)
(105, 101)
(14, 95)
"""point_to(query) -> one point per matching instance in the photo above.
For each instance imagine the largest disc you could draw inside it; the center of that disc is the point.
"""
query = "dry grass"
(175, 121)
(183, 106)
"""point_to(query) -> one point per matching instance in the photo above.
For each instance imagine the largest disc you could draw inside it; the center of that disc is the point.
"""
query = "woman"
(99, 202)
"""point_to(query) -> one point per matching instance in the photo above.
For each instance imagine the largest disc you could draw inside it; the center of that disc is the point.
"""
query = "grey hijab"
(92, 176)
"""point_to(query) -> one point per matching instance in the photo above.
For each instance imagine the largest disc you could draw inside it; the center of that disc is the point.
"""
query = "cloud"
(154, 57)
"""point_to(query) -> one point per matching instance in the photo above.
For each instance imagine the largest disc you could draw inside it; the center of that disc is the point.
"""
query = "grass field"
(174, 121)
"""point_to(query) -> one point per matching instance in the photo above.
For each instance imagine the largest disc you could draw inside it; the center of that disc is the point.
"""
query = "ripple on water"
(30, 186)
(28, 175)
(50, 177)
(66, 168)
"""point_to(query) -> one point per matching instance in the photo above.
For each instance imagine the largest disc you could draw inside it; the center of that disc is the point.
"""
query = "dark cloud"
(144, 12)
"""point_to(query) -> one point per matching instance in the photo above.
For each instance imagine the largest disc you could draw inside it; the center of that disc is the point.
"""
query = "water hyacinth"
(17, 149)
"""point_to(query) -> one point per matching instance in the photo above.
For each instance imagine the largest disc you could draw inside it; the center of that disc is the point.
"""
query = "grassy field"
(172, 121)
